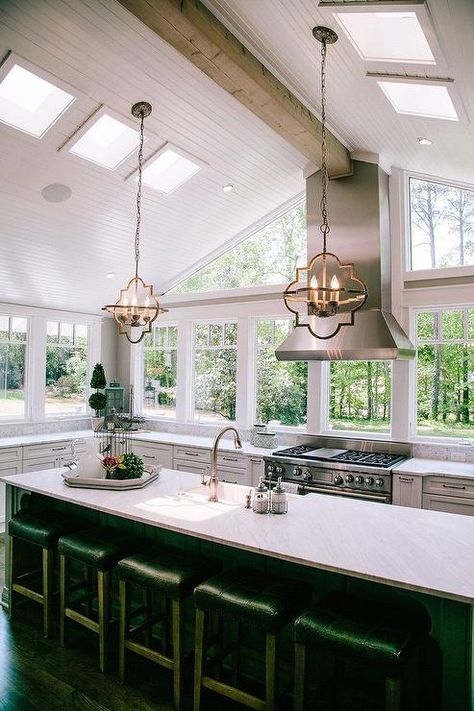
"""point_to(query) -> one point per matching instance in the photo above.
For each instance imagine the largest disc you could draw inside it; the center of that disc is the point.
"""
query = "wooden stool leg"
(88, 576)
(103, 602)
(392, 694)
(178, 631)
(48, 567)
(198, 658)
(271, 691)
(300, 659)
(236, 653)
(147, 602)
(63, 598)
(11, 576)
(124, 626)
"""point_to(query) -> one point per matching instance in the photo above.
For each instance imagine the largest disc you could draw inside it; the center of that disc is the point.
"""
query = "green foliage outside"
(270, 256)
(360, 394)
(160, 373)
(66, 369)
(215, 373)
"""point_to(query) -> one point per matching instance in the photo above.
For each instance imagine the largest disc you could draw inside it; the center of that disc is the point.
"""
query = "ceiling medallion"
(326, 292)
(137, 306)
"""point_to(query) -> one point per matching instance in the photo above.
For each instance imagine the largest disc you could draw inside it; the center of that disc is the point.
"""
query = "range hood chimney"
(360, 233)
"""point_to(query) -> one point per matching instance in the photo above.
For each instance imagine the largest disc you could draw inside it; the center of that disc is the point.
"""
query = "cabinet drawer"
(10, 468)
(192, 454)
(54, 449)
(234, 476)
(236, 461)
(10, 454)
(449, 504)
(449, 486)
(154, 453)
(41, 463)
(193, 467)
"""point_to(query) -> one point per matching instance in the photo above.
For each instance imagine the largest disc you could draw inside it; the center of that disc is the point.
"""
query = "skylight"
(420, 99)
(387, 36)
(30, 103)
(107, 142)
(169, 169)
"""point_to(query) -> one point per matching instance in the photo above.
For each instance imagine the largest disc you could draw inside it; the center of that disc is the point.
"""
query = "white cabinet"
(449, 494)
(191, 454)
(256, 469)
(6, 469)
(154, 453)
(448, 504)
(407, 490)
(42, 463)
(194, 467)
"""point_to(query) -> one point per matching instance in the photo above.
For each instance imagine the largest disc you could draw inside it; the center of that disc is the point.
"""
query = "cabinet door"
(193, 467)
(6, 470)
(41, 463)
(233, 475)
(192, 454)
(407, 490)
(154, 453)
(448, 504)
(256, 469)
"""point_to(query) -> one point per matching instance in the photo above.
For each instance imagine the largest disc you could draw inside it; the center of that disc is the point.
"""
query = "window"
(215, 371)
(160, 371)
(281, 387)
(441, 225)
(360, 395)
(107, 141)
(13, 338)
(269, 256)
(66, 368)
(445, 372)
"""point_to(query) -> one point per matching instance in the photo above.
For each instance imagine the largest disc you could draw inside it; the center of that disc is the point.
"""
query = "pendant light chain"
(324, 151)
(139, 193)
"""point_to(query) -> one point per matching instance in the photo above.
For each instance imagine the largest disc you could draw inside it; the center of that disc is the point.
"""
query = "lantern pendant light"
(326, 293)
(137, 306)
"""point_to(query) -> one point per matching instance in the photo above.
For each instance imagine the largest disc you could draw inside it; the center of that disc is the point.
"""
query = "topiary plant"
(97, 402)
(131, 467)
(98, 380)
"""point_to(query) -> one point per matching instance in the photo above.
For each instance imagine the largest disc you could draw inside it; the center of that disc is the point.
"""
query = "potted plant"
(98, 400)
(124, 466)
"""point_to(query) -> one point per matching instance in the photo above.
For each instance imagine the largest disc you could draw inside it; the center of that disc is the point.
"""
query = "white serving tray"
(71, 479)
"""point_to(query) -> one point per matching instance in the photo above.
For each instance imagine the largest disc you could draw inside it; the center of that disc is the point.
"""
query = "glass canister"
(260, 503)
(279, 499)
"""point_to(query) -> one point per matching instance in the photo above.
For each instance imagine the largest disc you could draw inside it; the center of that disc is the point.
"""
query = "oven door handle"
(385, 498)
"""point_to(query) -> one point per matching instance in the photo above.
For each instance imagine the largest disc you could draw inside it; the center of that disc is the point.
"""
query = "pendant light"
(137, 306)
(326, 293)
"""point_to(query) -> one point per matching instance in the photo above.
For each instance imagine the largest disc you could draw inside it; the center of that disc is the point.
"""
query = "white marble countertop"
(45, 438)
(426, 551)
(430, 467)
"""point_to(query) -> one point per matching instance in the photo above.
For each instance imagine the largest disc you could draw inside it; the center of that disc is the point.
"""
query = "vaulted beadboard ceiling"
(57, 254)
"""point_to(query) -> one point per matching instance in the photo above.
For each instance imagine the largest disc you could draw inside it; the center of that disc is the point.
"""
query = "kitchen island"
(364, 547)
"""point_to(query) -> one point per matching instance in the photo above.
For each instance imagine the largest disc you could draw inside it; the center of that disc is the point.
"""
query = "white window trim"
(139, 378)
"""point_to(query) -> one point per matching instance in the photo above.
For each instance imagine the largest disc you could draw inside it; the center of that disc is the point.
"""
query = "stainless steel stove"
(358, 469)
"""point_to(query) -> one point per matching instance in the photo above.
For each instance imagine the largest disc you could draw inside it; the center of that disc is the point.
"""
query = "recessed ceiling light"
(419, 99)
(424, 141)
(56, 192)
(228, 188)
(107, 141)
(170, 168)
(387, 36)
(30, 103)
(110, 275)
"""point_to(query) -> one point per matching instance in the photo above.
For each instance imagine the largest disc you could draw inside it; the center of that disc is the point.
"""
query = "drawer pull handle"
(227, 481)
(59, 449)
(230, 459)
(407, 479)
(256, 461)
(192, 454)
(148, 456)
(453, 486)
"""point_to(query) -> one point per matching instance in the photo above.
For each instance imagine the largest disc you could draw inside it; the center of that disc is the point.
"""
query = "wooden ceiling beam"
(197, 34)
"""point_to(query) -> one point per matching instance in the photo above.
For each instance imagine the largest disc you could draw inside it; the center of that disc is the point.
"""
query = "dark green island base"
(447, 671)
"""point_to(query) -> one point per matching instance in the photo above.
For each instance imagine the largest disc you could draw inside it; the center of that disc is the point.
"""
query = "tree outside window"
(445, 373)
(160, 372)
(360, 396)
(281, 387)
(66, 368)
(13, 338)
(441, 225)
(215, 371)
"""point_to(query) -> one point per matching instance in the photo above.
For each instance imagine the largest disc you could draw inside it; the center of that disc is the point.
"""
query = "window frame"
(87, 411)
(26, 388)
(141, 390)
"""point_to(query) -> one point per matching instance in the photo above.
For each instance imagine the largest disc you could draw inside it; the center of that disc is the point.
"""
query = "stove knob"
(359, 480)
(307, 476)
(349, 478)
(279, 469)
(379, 482)
(270, 468)
(297, 471)
(338, 479)
(369, 481)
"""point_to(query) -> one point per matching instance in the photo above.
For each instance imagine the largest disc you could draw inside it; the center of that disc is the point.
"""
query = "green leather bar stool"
(41, 529)
(98, 550)
(382, 635)
(245, 596)
(173, 574)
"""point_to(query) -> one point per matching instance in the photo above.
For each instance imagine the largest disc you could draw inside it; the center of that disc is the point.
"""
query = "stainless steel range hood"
(359, 216)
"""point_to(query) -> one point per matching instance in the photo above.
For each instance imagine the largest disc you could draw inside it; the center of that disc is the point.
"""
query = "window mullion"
(37, 368)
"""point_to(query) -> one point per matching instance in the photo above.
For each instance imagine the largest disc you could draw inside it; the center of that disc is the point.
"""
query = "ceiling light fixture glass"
(137, 306)
(326, 293)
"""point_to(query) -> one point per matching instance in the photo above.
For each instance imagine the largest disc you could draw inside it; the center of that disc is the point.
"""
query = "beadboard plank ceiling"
(278, 32)
(57, 254)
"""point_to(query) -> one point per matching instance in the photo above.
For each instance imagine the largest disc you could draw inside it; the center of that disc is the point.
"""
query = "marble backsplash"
(36, 428)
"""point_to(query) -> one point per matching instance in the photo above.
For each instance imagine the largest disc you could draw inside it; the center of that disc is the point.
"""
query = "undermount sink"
(229, 494)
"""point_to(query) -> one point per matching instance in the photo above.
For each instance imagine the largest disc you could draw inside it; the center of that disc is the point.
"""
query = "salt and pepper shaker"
(260, 498)
(279, 501)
